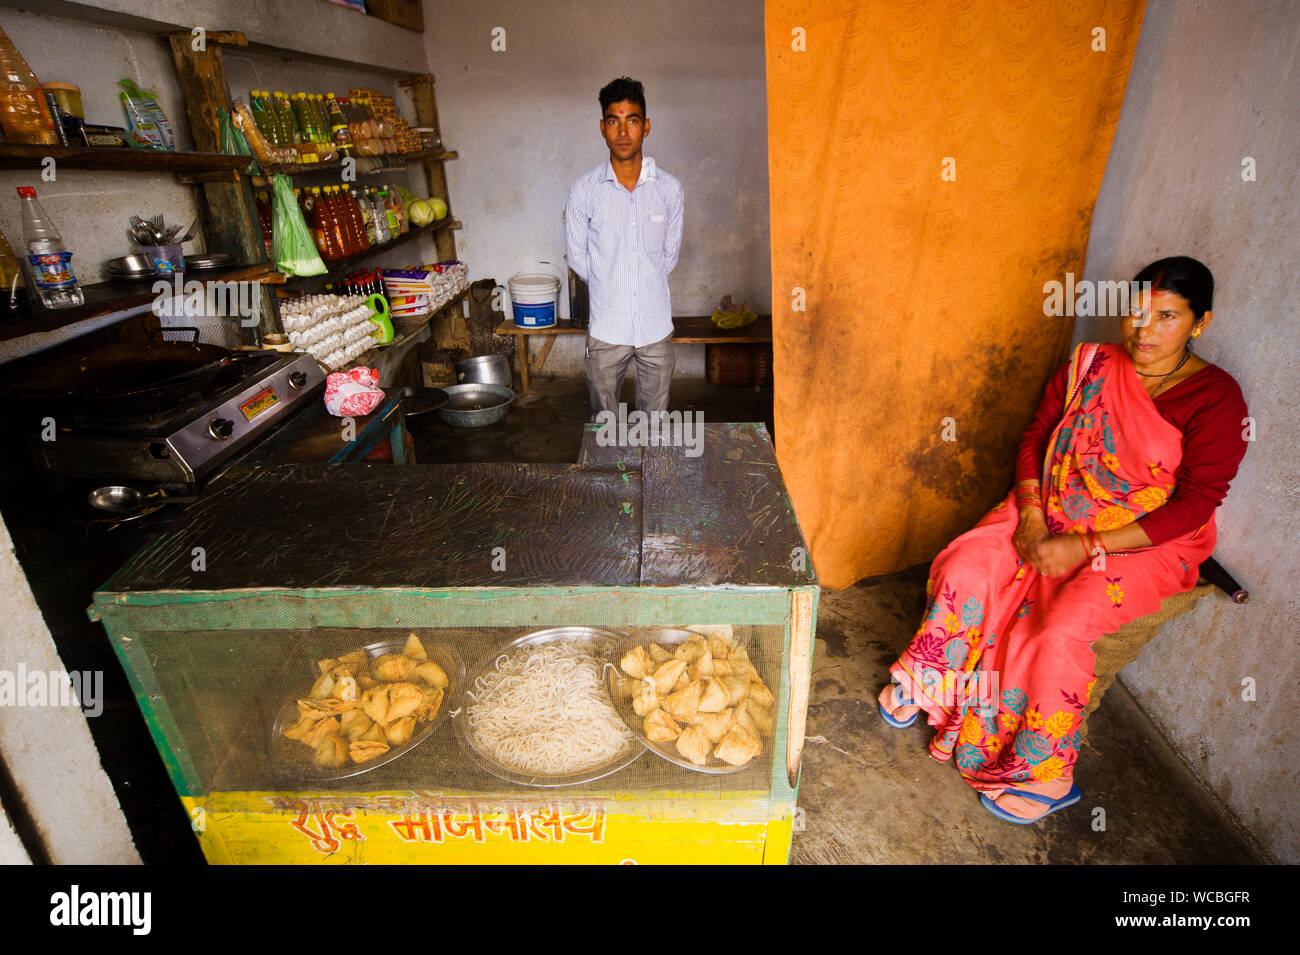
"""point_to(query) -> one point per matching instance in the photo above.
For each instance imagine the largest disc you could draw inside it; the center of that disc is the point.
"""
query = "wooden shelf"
(106, 298)
(343, 266)
(297, 169)
(22, 156)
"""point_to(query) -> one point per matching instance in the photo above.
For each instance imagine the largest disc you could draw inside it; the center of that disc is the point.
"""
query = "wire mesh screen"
(588, 708)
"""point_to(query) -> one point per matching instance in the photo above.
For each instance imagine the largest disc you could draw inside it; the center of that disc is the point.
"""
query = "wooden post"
(435, 173)
(231, 224)
(801, 629)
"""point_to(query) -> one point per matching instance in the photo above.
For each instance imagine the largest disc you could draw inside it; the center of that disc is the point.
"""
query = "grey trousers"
(607, 366)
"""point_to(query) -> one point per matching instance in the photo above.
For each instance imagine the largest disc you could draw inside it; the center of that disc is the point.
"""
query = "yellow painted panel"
(261, 828)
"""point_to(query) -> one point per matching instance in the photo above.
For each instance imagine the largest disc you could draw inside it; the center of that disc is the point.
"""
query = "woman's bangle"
(1028, 494)
(1094, 543)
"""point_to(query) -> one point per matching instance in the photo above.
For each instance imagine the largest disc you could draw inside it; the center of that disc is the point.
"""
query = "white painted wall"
(526, 124)
(1213, 83)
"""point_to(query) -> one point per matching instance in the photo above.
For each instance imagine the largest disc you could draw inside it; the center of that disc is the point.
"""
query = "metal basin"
(475, 405)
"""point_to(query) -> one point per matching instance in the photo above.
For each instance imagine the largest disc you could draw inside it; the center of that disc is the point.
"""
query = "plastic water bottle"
(50, 262)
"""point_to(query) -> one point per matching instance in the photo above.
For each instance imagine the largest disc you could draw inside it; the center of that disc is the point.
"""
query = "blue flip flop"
(899, 701)
(1069, 799)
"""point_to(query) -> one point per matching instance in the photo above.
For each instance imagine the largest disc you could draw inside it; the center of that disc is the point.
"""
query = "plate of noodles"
(537, 712)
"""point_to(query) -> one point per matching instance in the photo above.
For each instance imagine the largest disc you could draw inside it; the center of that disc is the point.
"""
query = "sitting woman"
(1118, 478)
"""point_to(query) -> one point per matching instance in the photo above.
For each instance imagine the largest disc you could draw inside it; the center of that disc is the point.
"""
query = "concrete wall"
(526, 124)
(48, 750)
(1214, 83)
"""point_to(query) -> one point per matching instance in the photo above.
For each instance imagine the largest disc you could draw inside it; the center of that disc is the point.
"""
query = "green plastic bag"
(292, 246)
(233, 142)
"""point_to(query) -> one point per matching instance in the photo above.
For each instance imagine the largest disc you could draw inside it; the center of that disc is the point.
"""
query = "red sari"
(1003, 662)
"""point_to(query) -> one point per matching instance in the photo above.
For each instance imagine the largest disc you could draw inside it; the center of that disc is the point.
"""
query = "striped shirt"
(623, 245)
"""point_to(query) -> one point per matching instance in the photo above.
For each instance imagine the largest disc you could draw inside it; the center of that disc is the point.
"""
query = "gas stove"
(181, 442)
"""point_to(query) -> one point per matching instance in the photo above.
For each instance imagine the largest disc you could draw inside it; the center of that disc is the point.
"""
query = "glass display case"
(599, 662)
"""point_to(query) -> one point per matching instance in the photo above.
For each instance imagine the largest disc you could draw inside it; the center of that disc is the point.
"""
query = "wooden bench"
(687, 330)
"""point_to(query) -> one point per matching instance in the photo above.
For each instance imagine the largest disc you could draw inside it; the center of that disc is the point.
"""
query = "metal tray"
(670, 636)
(294, 755)
(601, 643)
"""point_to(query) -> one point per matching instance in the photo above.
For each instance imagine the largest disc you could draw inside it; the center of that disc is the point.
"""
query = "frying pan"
(113, 374)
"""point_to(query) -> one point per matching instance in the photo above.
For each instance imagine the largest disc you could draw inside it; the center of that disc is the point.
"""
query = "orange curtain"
(932, 165)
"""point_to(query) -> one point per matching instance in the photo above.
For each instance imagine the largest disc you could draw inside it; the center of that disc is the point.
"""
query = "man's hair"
(623, 88)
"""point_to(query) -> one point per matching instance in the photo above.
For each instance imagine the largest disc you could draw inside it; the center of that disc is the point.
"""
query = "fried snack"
(666, 676)
(363, 751)
(738, 747)
(429, 708)
(399, 731)
(625, 687)
(296, 730)
(745, 720)
(323, 728)
(375, 703)
(354, 724)
(326, 665)
(760, 694)
(357, 659)
(432, 674)
(658, 655)
(702, 666)
(374, 735)
(715, 725)
(722, 631)
(646, 699)
(714, 696)
(331, 752)
(318, 709)
(393, 667)
(660, 727)
(414, 649)
(721, 668)
(323, 687)
(694, 744)
(403, 700)
(636, 663)
(691, 650)
(345, 688)
(685, 703)
(720, 644)
(737, 688)
(762, 716)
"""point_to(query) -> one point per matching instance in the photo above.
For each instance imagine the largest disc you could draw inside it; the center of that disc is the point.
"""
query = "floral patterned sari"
(1003, 662)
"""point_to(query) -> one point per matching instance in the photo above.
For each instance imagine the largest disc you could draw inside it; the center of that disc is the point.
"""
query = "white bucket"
(534, 298)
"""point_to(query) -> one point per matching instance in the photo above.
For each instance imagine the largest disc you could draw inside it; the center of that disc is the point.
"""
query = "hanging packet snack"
(145, 119)
(292, 247)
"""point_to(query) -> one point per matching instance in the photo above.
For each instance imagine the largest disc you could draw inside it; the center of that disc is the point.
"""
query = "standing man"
(623, 222)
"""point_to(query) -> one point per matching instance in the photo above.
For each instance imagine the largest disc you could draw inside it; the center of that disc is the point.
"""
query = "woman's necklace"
(1187, 353)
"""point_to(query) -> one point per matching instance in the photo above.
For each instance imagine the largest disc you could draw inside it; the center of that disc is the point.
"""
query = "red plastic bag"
(353, 393)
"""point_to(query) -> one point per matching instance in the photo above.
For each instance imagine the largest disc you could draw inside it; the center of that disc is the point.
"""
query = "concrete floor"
(870, 793)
